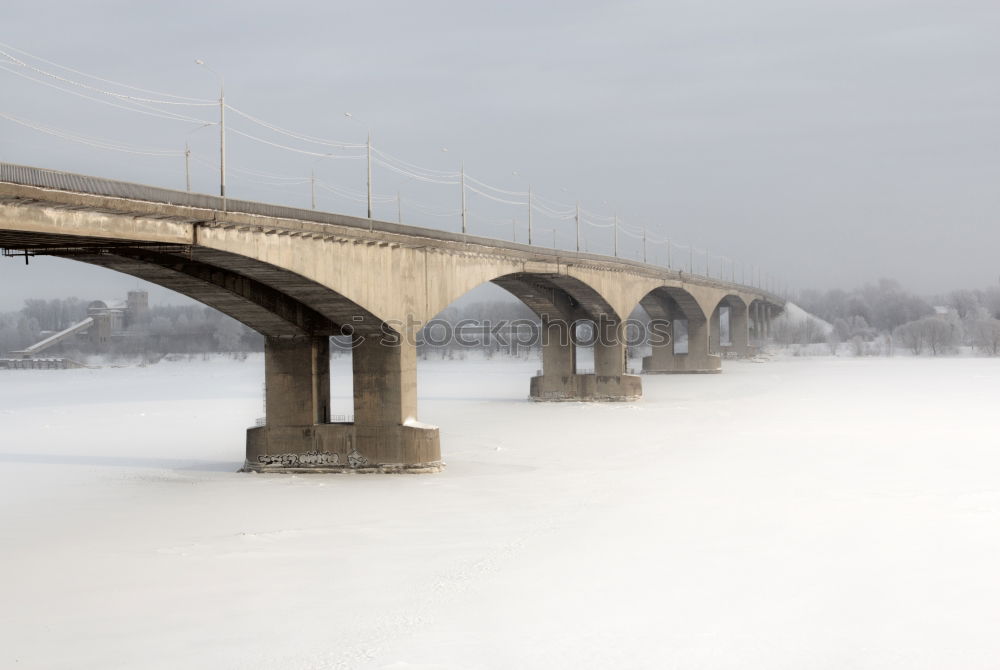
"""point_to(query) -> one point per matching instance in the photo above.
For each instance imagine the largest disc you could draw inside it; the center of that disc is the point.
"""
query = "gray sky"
(831, 143)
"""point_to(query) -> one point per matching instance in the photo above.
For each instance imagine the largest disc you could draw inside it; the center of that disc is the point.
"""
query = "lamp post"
(577, 226)
(464, 209)
(616, 236)
(187, 166)
(369, 176)
(368, 150)
(222, 130)
(529, 214)
(516, 174)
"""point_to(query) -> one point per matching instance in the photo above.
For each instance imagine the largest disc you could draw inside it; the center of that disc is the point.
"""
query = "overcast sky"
(831, 143)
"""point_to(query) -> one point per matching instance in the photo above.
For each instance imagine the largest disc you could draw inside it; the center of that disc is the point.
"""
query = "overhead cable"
(163, 114)
(413, 166)
(293, 149)
(99, 143)
(96, 78)
(293, 134)
(95, 89)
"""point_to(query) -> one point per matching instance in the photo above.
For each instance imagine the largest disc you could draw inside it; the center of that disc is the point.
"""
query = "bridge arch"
(258, 306)
(561, 302)
(687, 349)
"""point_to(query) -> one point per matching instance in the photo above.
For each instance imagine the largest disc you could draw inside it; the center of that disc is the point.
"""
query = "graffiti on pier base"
(308, 459)
(355, 459)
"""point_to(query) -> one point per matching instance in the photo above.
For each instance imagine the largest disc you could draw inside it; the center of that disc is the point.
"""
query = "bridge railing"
(67, 181)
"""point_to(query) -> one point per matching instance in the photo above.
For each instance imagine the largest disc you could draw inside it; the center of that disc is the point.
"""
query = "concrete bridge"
(300, 276)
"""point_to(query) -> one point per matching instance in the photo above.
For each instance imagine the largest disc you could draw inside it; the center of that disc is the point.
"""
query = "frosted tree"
(986, 336)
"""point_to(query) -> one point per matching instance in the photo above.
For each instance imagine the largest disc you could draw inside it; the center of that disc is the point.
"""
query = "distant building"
(106, 319)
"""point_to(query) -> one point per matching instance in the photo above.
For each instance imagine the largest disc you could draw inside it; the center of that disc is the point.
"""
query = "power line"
(498, 190)
(288, 148)
(413, 175)
(293, 134)
(491, 197)
(106, 81)
(413, 166)
(122, 96)
(163, 114)
(97, 142)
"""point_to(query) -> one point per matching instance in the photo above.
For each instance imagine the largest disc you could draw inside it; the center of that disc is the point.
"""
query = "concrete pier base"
(586, 387)
(681, 364)
(384, 436)
(343, 447)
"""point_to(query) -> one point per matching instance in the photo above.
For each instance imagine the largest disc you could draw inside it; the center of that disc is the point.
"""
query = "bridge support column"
(388, 437)
(297, 380)
(664, 360)
(715, 331)
(739, 330)
(297, 436)
(699, 356)
(558, 380)
(611, 366)
(296, 400)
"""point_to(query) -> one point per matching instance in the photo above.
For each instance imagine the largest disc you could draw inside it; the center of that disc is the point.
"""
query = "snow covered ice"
(799, 513)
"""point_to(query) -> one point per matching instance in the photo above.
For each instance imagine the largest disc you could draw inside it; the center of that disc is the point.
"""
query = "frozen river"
(799, 513)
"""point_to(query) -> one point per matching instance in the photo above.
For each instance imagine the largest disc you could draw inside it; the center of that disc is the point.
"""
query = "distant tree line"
(873, 319)
(878, 317)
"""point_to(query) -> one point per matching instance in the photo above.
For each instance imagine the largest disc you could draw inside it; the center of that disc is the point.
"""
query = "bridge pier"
(298, 435)
(755, 323)
(738, 344)
(611, 381)
(739, 330)
(388, 436)
(665, 360)
(559, 380)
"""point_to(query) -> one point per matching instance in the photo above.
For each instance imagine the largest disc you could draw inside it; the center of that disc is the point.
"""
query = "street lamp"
(518, 174)
(222, 130)
(368, 150)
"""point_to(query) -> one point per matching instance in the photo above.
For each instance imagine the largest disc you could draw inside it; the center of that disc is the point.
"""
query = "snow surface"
(798, 513)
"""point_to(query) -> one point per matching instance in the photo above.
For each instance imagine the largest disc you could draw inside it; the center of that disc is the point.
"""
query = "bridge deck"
(187, 206)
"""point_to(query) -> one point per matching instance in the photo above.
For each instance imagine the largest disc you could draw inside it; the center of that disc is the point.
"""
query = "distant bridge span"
(299, 276)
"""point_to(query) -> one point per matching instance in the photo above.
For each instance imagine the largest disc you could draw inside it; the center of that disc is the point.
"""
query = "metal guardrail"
(78, 183)
(67, 181)
(336, 418)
